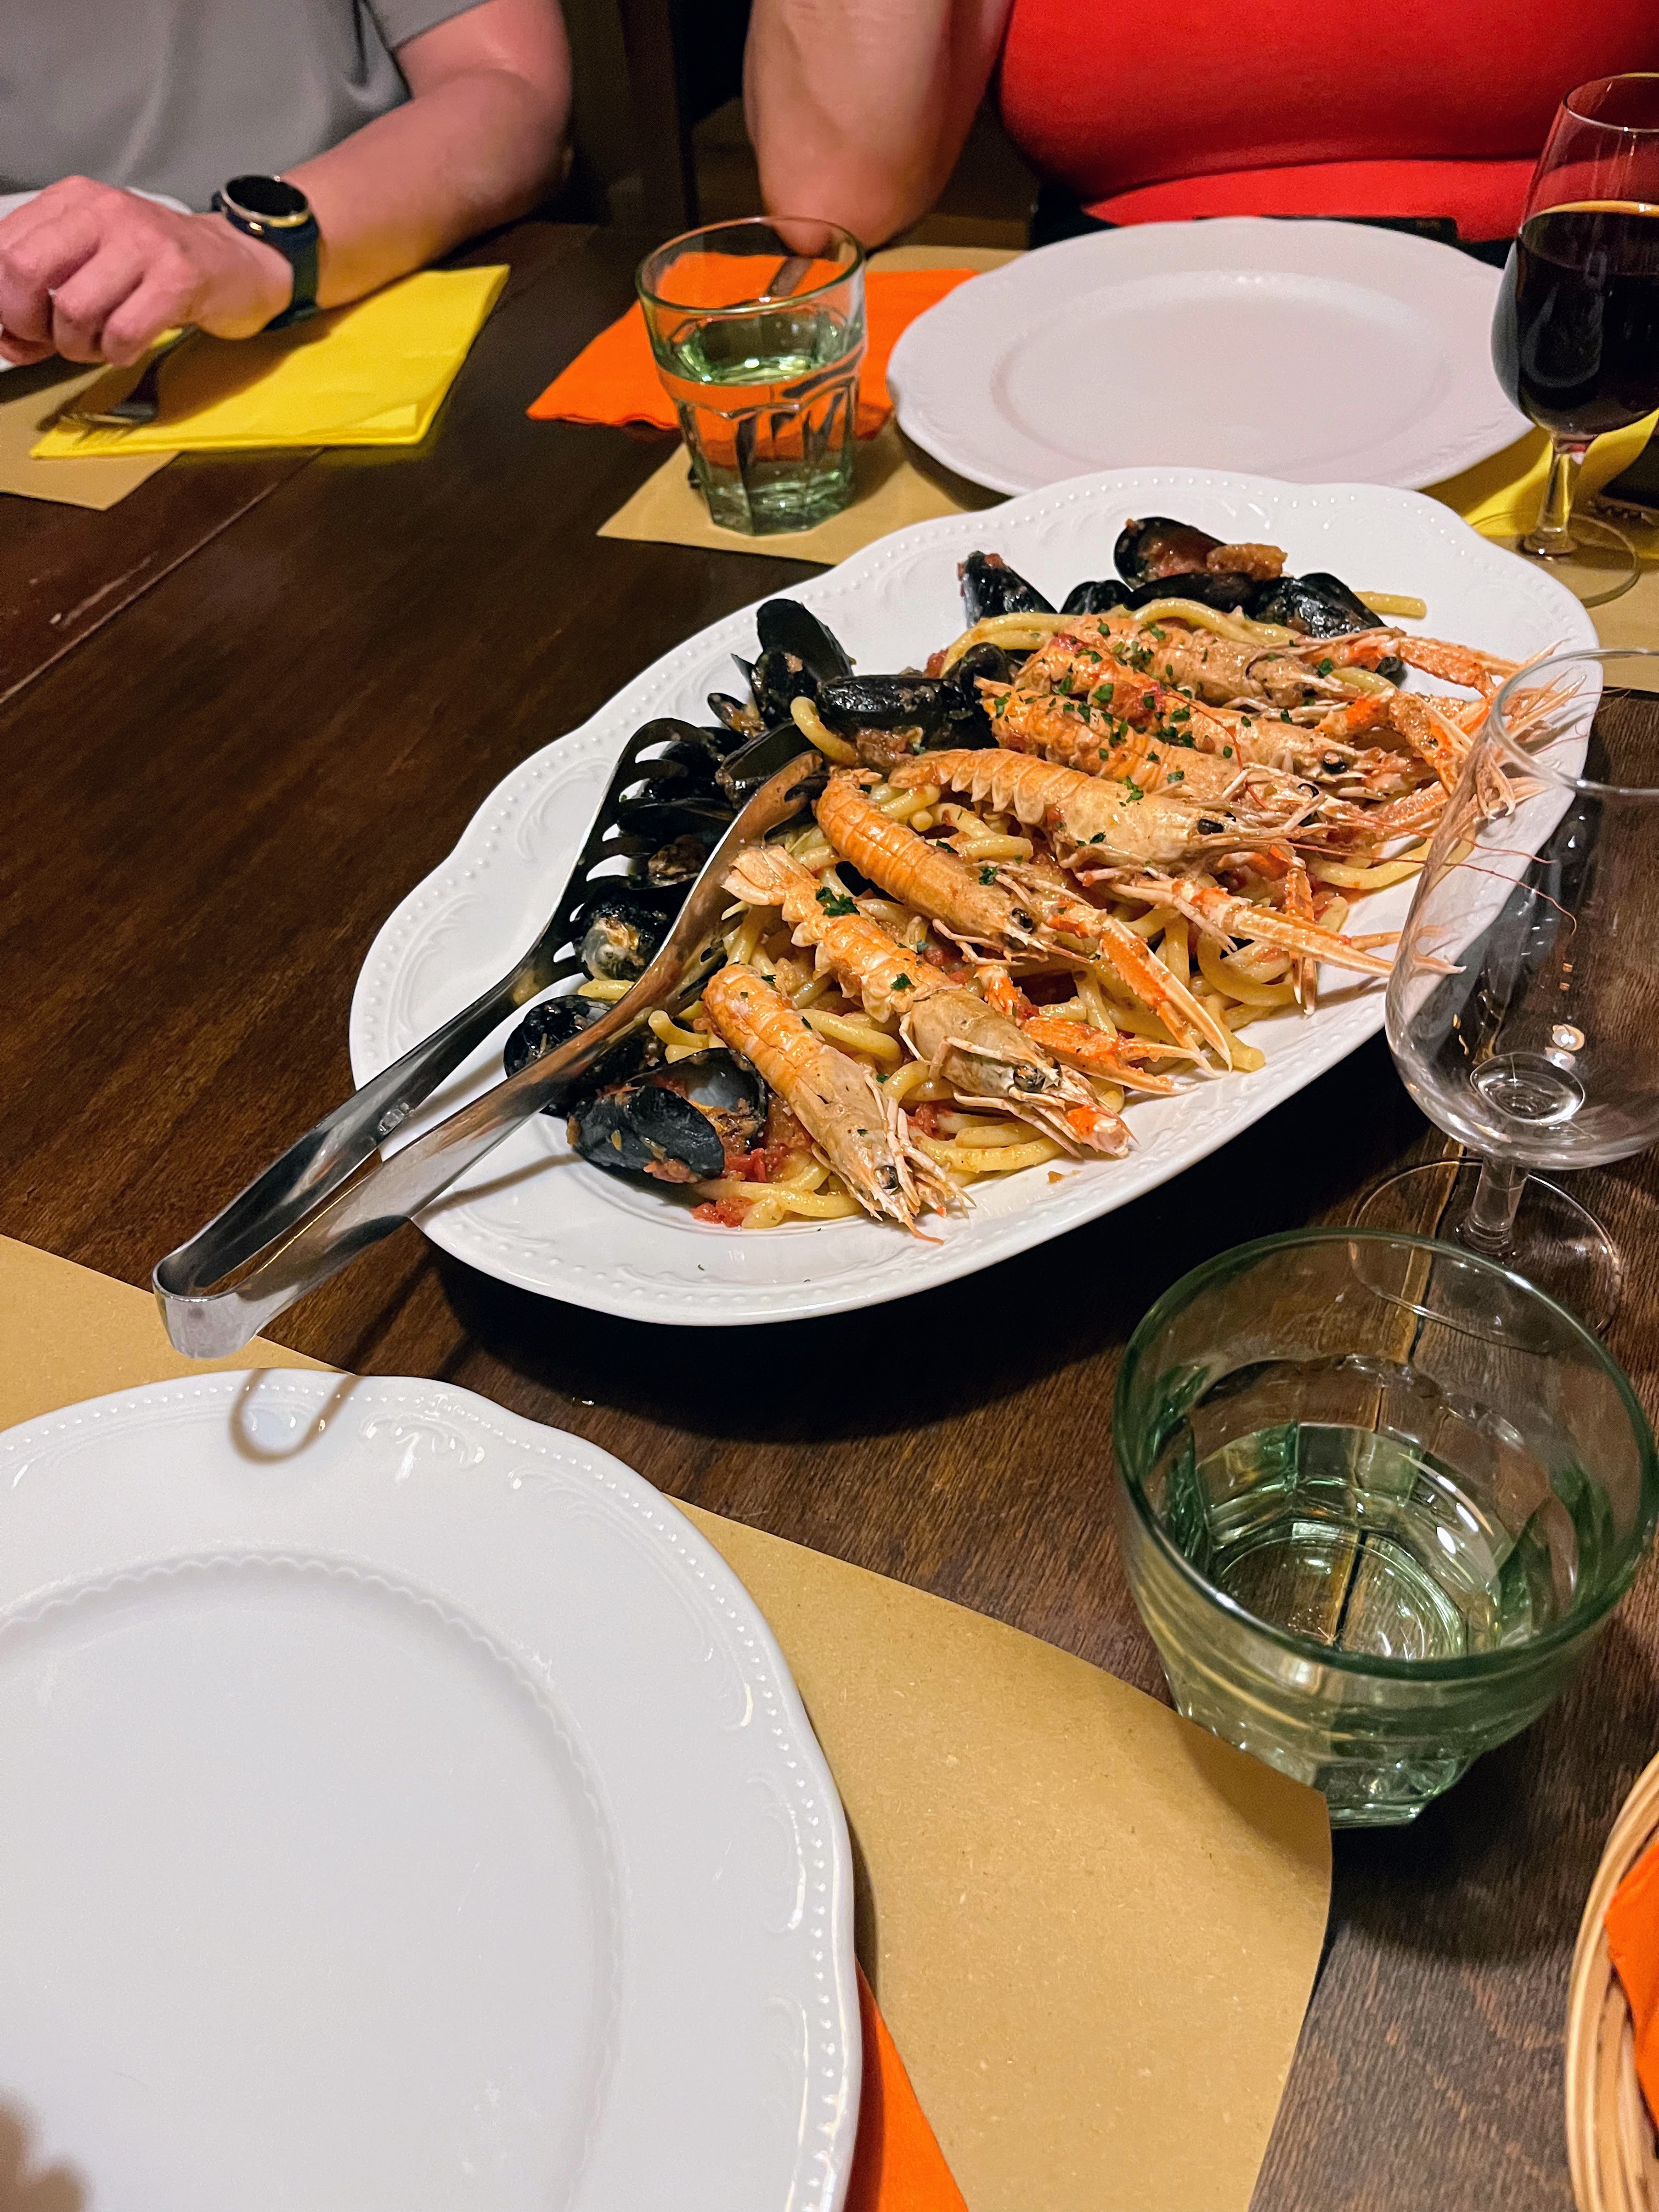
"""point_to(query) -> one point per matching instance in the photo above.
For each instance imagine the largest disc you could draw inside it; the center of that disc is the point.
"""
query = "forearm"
(858, 109)
(477, 150)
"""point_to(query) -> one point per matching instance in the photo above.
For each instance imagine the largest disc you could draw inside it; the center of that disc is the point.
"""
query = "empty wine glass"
(1524, 1009)
(1576, 335)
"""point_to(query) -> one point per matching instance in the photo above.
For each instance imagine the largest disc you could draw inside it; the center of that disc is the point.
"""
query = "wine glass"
(1523, 1008)
(1575, 339)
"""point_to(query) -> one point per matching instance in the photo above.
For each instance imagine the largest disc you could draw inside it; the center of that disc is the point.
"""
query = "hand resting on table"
(95, 273)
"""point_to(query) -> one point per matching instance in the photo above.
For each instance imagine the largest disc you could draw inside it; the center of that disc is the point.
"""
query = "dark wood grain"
(223, 794)
(65, 571)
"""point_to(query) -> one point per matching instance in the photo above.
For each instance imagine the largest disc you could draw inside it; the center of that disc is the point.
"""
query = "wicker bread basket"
(1610, 2138)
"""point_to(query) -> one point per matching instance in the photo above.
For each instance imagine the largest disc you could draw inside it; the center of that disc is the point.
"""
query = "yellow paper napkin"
(1502, 493)
(373, 373)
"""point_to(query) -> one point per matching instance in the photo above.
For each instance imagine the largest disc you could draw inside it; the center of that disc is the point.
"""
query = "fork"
(142, 404)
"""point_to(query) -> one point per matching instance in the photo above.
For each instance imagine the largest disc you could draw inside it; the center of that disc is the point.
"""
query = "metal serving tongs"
(306, 1217)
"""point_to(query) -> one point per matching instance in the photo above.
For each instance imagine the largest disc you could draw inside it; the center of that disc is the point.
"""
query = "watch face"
(268, 199)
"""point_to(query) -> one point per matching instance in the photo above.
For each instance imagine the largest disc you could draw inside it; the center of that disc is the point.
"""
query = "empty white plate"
(1316, 352)
(406, 1810)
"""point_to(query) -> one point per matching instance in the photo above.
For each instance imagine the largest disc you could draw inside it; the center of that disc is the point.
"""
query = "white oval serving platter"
(534, 1215)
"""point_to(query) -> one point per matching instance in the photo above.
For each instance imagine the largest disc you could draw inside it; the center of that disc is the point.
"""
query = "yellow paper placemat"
(1091, 1928)
(24, 414)
(373, 373)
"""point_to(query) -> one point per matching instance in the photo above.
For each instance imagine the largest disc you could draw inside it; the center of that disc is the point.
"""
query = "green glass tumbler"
(1371, 1542)
(758, 331)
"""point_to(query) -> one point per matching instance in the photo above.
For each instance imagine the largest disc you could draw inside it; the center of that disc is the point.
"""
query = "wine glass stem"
(1490, 1222)
(1551, 537)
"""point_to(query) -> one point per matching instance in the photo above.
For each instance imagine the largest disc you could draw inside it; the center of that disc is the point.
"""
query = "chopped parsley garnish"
(1226, 752)
(900, 983)
(1132, 792)
(1180, 714)
(1325, 667)
(988, 875)
(836, 902)
(1283, 714)
(1099, 837)
(1177, 776)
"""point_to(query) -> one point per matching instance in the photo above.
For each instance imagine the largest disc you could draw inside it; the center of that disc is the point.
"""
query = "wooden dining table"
(243, 712)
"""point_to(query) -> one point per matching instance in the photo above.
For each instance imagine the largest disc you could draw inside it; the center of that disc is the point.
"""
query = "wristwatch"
(277, 214)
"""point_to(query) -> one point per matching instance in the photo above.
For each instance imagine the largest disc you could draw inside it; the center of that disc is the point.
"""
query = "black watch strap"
(294, 233)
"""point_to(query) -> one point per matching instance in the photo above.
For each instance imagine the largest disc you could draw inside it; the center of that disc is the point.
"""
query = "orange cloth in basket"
(897, 2165)
(1632, 1927)
(614, 379)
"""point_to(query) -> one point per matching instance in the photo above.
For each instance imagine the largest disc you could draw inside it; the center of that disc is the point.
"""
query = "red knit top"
(1335, 107)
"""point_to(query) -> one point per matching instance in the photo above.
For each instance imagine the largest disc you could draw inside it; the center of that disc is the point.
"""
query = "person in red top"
(1433, 111)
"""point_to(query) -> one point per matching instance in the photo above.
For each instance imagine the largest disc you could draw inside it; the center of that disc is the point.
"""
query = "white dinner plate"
(1319, 352)
(532, 1214)
(407, 1811)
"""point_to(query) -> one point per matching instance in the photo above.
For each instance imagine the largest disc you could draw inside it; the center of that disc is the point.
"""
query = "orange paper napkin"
(614, 379)
(897, 2164)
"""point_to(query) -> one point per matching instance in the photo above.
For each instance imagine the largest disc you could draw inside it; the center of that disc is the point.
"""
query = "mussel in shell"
(743, 772)
(554, 1022)
(990, 586)
(1159, 546)
(779, 679)
(741, 718)
(674, 1124)
(786, 626)
(1224, 590)
(618, 933)
(1096, 598)
(889, 702)
(1318, 604)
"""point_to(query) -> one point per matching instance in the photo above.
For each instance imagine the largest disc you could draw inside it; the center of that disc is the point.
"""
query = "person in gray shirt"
(407, 124)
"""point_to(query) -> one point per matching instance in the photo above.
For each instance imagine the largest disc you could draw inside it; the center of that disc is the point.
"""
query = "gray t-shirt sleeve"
(403, 20)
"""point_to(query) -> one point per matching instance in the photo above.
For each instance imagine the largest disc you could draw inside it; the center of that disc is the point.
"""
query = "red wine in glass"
(1576, 334)
(1576, 340)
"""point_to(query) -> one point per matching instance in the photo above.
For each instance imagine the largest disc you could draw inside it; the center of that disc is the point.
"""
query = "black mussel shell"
(1319, 604)
(1224, 592)
(1096, 598)
(983, 660)
(618, 933)
(990, 586)
(675, 1124)
(1148, 550)
(1391, 668)
(779, 677)
(555, 1021)
(751, 765)
(741, 717)
(641, 1129)
(786, 626)
(889, 702)
(688, 742)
